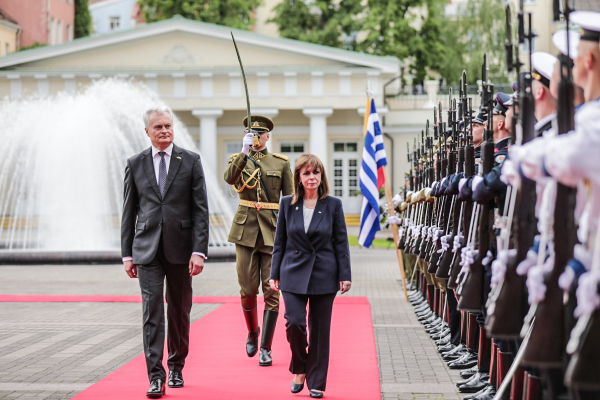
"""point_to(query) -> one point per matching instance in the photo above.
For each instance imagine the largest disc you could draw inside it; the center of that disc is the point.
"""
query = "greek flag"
(371, 176)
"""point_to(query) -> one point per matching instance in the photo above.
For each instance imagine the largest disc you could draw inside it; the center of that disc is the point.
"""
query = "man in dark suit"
(164, 233)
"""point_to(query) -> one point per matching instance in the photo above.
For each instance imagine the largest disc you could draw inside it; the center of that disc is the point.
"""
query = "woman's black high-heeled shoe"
(315, 394)
(297, 387)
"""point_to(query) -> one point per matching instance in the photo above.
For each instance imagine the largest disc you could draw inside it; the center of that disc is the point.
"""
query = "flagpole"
(388, 196)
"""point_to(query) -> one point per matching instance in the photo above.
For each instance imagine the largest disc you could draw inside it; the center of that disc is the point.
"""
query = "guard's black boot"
(269, 323)
(251, 317)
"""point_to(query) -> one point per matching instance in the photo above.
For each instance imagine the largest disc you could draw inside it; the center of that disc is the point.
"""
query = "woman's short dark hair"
(309, 160)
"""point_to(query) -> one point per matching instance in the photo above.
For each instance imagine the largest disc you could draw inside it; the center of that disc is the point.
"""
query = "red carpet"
(217, 367)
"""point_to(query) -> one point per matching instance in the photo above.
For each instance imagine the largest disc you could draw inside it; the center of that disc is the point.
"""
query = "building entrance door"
(344, 180)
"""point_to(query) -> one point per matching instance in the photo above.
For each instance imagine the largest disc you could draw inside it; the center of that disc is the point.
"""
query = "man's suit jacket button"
(162, 204)
(314, 253)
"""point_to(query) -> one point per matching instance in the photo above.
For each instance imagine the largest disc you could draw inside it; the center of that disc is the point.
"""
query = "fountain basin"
(29, 257)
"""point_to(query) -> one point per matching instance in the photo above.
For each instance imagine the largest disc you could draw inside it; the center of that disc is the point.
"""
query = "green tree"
(233, 13)
(479, 28)
(390, 31)
(328, 22)
(83, 19)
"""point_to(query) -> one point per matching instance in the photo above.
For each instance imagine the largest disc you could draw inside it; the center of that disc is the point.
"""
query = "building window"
(69, 33)
(525, 46)
(292, 150)
(59, 32)
(6, 48)
(115, 22)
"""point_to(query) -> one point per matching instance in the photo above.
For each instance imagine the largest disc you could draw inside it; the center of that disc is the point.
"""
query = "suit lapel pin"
(179, 158)
(296, 208)
(319, 212)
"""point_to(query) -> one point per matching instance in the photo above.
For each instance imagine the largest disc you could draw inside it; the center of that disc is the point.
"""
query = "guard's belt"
(259, 205)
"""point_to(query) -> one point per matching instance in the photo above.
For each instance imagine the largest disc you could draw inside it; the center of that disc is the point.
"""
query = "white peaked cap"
(543, 63)
(560, 42)
(589, 20)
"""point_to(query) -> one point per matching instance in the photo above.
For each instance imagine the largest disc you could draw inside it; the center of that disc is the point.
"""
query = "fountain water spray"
(62, 166)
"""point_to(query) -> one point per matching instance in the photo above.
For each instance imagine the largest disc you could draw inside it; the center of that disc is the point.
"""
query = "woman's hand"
(345, 286)
(274, 284)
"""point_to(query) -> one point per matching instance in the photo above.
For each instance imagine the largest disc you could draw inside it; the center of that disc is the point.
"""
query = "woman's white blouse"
(308, 214)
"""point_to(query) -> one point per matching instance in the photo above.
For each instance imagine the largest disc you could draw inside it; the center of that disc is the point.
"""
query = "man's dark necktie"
(162, 173)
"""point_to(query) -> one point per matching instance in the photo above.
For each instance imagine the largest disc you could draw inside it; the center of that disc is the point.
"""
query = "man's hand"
(247, 142)
(274, 284)
(345, 286)
(130, 269)
(196, 264)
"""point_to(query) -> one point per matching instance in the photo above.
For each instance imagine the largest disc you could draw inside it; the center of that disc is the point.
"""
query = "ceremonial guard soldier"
(260, 178)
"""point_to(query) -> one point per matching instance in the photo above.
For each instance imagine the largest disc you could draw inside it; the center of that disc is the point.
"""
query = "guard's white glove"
(247, 142)
(392, 219)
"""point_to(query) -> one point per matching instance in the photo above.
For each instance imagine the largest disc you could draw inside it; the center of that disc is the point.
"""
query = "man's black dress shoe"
(316, 395)
(297, 387)
(468, 379)
(445, 348)
(472, 396)
(455, 353)
(467, 373)
(487, 394)
(476, 383)
(175, 379)
(464, 362)
(157, 389)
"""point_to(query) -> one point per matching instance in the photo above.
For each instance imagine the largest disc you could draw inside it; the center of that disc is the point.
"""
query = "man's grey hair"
(156, 110)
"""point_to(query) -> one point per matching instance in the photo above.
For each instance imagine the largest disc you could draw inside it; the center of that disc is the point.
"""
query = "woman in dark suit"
(311, 262)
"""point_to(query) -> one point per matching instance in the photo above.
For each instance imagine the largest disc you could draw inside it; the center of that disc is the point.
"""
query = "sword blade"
(245, 84)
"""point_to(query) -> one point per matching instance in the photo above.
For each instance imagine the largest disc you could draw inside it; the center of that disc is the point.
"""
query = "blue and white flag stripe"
(371, 177)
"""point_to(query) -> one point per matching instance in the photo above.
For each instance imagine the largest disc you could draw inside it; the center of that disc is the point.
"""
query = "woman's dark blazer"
(314, 262)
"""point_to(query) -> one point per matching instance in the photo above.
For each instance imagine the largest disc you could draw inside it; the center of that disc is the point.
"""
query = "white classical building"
(314, 94)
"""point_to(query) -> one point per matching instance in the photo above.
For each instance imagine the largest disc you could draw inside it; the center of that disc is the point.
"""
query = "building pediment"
(181, 44)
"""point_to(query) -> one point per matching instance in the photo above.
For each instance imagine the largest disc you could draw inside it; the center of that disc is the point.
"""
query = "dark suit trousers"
(315, 362)
(179, 305)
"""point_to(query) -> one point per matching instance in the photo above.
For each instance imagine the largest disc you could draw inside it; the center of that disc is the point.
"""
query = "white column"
(263, 83)
(208, 136)
(345, 83)
(207, 84)
(178, 84)
(291, 84)
(235, 84)
(317, 83)
(70, 83)
(43, 86)
(318, 132)
(269, 113)
(15, 86)
(152, 82)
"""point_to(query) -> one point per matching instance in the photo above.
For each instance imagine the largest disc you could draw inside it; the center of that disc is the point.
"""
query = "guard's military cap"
(543, 67)
(259, 123)
(481, 118)
(501, 99)
(589, 22)
(560, 42)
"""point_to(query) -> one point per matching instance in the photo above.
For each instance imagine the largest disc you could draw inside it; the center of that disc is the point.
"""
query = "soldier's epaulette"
(233, 155)
(281, 156)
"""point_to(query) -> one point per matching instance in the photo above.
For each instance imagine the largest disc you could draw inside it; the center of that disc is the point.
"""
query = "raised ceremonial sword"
(256, 137)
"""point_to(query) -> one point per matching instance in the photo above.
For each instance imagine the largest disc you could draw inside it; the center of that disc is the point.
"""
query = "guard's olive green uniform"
(253, 230)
